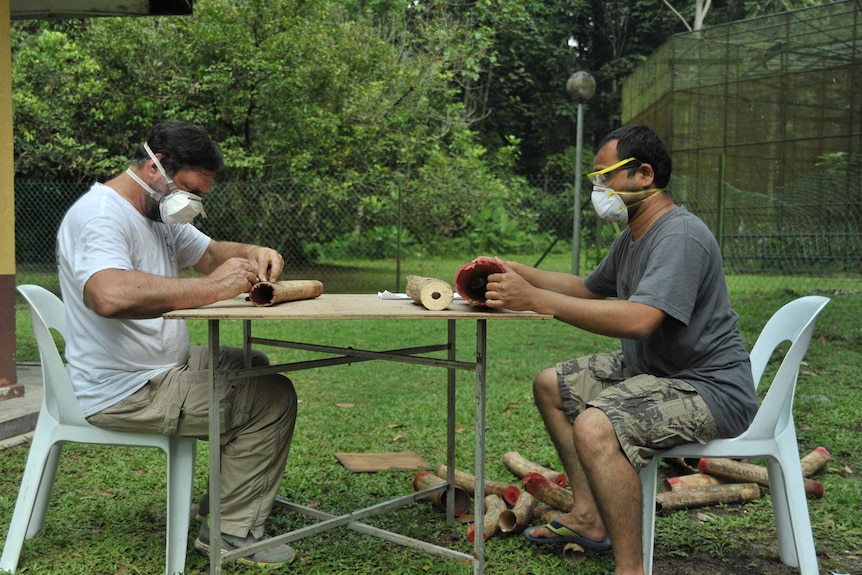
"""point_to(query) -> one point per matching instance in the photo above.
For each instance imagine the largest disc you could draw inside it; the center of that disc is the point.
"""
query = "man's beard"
(152, 209)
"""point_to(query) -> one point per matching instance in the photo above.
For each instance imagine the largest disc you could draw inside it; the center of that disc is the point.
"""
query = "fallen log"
(690, 481)
(744, 472)
(494, 506)
(264, 294)
(472, 277)
(814, 461)
(521, 466)
(709, 495)
(517, 518)
(434, 294)
(424, 480)
(467, 481)
(574, 553)
(539, 487)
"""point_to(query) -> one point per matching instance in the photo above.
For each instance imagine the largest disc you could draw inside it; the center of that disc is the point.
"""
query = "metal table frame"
(355, 307)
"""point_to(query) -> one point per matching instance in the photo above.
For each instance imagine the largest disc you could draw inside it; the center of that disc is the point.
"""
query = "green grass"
(107, 511)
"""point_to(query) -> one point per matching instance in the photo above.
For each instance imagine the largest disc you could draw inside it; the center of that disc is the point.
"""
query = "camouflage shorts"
(649, 414)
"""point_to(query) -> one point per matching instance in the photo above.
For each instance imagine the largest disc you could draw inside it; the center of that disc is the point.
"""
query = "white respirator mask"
(179, 206)
(609, 204)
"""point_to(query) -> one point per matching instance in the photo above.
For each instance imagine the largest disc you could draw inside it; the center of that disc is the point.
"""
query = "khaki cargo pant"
(649, 413)
(257, 420)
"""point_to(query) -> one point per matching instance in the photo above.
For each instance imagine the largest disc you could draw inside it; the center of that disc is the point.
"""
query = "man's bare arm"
(562, 283)
(615, 318)
(131, 294)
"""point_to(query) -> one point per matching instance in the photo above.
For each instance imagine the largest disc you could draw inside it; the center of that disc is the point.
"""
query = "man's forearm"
(219, 252)
(614, 318)
(562, 283)
(124, 294)
(223, 251)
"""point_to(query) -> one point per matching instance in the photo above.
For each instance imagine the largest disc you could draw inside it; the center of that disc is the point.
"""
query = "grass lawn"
(107, 511)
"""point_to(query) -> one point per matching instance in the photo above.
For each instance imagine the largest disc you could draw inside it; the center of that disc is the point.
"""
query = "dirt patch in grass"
(752, 559)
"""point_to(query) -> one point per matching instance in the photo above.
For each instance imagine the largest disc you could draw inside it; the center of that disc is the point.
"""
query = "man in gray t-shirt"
(682, 374)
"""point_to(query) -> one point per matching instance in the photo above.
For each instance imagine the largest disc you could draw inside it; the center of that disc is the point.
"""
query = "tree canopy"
(452, 103)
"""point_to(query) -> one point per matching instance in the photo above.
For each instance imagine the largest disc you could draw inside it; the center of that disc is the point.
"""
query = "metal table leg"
(479, 503)
(214, 451)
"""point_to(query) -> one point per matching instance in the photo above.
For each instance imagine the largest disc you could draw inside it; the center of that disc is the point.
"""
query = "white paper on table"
(386, 294)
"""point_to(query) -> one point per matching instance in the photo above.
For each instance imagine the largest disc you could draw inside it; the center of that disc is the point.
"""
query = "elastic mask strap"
(159, 166)
(153, 193)
(655, 192)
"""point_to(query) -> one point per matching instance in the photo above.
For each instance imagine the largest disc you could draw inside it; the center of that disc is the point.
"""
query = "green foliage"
(323, 89)
(833, 162)
(57, 90)
(313, 94)
(377, 242)
(353, 103)
(766, 7)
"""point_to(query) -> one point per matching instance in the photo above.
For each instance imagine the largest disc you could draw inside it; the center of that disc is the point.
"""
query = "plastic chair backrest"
(786, 324)
(794, 322)
(48, 312)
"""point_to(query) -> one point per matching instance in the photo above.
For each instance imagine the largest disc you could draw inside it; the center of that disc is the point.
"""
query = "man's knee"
(545, 388)
(259, 358)
(274, 394)
(280, 388)
(594, 432)
(235, 358)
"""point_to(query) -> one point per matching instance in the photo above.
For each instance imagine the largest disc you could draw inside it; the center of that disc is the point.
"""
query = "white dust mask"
(179, 206)
(609, 204)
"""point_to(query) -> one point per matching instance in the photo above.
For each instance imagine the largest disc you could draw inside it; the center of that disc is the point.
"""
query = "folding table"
(356, 307)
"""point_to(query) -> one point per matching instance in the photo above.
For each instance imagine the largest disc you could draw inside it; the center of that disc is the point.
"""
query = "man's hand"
(268, 262)
(509, 290)
(234, 277)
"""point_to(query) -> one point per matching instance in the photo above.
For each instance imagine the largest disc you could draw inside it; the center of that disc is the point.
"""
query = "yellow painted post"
(9, 386)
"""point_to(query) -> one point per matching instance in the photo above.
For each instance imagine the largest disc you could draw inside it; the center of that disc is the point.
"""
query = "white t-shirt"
(109, 359)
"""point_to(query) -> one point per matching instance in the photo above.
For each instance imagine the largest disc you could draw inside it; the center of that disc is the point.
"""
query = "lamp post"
(580, 86)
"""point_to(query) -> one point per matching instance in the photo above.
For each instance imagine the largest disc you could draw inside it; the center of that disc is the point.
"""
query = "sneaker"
(272, 558)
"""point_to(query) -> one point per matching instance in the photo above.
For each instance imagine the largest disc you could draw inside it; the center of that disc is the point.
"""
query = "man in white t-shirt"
(120, 248)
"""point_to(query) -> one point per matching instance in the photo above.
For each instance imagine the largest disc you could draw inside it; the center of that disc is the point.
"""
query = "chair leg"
(781, 510)
(649, 480)
(34, 474)
(800, 539)
(181, 466)
(46, 485)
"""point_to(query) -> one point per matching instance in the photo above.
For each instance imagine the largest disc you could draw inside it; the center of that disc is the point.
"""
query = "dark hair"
(642, 142)
(183, 146)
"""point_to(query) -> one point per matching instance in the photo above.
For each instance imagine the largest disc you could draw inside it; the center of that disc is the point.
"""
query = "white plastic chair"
(60, 420)
(772, 435)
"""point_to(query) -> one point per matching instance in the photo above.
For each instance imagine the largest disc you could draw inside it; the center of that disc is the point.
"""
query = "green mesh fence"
(764, 121)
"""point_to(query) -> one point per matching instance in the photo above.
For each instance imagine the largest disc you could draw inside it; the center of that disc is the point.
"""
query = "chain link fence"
(811, 228)
(764, 122)
(806, 239)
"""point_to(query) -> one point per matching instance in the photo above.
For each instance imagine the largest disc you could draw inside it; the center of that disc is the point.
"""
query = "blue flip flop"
(565, 535)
